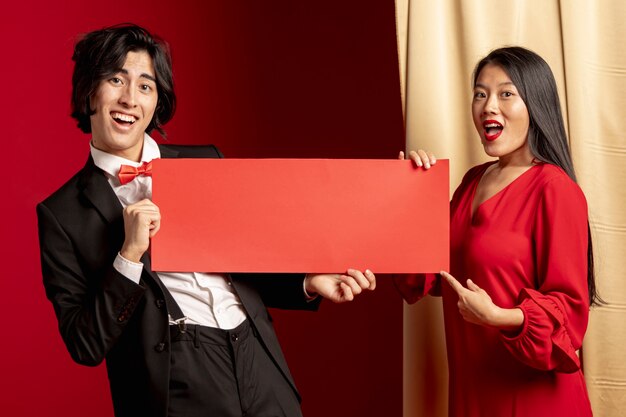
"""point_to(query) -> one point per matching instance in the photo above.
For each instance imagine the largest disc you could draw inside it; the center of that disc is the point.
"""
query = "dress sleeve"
(556, 311)
(413, 287)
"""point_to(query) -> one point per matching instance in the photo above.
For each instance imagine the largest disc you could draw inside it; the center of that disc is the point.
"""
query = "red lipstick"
(492, 129)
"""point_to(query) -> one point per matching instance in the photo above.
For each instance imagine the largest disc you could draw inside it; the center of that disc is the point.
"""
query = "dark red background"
(312, 78)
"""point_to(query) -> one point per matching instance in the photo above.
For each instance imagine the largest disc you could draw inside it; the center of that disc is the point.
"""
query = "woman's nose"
(491, 104)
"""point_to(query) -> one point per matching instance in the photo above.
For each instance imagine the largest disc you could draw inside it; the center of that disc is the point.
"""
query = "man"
(175, 344)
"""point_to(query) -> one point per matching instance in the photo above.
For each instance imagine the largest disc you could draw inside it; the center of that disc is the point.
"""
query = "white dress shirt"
(206, 299)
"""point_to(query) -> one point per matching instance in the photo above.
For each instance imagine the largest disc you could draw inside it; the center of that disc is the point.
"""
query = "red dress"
(527, 247)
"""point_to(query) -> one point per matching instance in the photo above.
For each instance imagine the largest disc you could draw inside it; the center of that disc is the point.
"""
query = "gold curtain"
(584, 41)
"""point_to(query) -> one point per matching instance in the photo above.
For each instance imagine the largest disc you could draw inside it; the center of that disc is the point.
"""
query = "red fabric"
(527, 247)
(128, 173)
(413, 287)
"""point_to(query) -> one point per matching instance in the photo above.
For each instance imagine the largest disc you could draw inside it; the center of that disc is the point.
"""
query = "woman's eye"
(145, 87)
(507, 94)
(479, 94)
(115, 80)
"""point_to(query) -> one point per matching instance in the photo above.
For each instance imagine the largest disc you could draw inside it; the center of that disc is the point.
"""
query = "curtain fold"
(583, 41)
(595, 64)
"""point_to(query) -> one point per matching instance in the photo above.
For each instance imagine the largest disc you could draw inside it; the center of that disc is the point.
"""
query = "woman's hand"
(476, 306)
(421, 158)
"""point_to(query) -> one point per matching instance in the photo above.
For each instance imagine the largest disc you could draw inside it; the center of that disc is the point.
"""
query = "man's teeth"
(124, 117)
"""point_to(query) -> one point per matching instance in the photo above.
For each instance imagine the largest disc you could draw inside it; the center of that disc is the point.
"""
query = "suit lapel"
(98, 192)
(167, 152)
(147, 267)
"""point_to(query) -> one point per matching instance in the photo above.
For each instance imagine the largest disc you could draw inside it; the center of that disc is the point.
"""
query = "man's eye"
(146, 87)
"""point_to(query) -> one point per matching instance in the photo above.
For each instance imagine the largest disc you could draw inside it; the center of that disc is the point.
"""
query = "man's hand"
(476, 307)
(142, 221)
(340, 288)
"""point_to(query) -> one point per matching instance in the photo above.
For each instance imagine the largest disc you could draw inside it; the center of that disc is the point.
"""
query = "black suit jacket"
(104, 315)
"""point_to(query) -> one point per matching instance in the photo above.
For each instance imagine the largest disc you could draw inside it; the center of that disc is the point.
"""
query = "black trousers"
(226, 373)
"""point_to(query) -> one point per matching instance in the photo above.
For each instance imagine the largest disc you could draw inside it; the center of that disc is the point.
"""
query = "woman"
(520, 241)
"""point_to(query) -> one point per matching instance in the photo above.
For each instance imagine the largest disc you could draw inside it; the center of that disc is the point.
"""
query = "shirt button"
(160, 347)
(234, 337)
(160, 303)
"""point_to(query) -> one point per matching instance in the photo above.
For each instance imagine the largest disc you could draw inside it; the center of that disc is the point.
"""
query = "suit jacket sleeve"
(92, 306)
(284, 291)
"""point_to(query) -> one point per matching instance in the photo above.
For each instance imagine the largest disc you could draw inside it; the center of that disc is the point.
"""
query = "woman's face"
(500, 115)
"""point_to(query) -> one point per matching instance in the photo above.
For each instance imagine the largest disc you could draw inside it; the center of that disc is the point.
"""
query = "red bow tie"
(128, 173)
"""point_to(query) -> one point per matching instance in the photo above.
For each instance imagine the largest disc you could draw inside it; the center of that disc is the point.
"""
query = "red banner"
(301, 215)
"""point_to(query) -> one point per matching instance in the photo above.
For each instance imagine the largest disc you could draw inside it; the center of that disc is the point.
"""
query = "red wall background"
(309, 78)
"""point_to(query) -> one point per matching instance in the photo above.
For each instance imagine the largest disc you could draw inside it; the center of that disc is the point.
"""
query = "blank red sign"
(300, 215)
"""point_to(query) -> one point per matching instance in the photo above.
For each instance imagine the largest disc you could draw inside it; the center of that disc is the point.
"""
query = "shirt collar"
(111, 163)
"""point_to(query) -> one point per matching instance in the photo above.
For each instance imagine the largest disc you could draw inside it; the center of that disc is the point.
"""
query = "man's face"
(124, 104)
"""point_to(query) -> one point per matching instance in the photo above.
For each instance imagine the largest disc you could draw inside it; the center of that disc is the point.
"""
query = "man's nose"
(128, 96)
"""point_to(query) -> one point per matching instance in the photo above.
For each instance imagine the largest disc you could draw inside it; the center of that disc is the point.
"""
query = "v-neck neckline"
(473, 212)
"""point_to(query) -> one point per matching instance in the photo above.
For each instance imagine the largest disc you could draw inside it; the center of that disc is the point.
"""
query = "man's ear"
(89, 103)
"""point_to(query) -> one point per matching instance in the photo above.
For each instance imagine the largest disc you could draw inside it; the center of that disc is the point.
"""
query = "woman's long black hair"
(547, 139)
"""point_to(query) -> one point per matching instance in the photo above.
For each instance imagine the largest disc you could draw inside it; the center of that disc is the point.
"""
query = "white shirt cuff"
(131, 270)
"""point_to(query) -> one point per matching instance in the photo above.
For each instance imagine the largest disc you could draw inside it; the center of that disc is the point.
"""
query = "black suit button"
(160, 303)
(234, 337)
(122, 317)
(160, 347)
